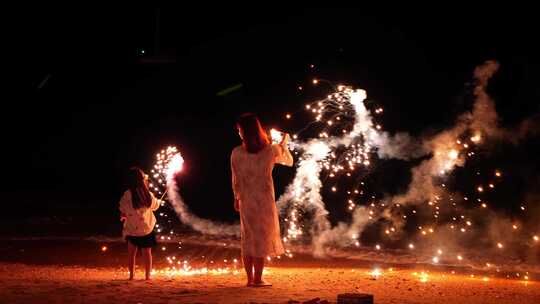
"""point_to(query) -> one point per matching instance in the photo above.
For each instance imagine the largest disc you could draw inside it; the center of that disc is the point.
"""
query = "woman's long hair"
(253, 136)
(138, 186)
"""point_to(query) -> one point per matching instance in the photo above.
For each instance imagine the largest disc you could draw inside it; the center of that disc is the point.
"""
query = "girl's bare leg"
(147, 256)
(132, 253)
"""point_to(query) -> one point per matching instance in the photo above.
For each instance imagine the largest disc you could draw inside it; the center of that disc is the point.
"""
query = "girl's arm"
(126, 198)
(155, 202)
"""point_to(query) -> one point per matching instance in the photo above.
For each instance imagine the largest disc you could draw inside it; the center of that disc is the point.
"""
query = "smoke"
(528, 128)
(305, 191)
(400, 146)
(484, 119)
(494, 236)
(201, 225)
(446, 149)
(343, 234)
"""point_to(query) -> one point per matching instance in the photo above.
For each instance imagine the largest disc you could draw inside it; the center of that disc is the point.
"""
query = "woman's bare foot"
(261, 284)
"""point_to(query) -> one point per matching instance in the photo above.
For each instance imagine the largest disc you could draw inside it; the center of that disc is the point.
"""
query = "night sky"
(93, 104)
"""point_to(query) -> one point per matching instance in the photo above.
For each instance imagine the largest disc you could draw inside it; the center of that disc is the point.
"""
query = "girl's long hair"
(138, 186)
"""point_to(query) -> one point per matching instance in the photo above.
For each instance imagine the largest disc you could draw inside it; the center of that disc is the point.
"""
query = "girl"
(251, 166)
(136, 208)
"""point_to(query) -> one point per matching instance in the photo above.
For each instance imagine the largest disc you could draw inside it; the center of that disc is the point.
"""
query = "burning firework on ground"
(348, 140)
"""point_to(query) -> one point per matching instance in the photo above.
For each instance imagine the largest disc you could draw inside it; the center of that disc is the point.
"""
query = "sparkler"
(169, 162)
(276, 136)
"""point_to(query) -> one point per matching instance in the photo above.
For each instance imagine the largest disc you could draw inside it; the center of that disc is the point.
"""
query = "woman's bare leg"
(258, 264)
(248, 266)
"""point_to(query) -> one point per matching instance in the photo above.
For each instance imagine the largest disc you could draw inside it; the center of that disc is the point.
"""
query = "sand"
(79, 272)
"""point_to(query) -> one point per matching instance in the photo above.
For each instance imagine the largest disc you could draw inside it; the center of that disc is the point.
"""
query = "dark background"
(91, 103)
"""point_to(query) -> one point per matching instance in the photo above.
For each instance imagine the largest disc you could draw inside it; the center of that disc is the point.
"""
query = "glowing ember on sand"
(375, 273)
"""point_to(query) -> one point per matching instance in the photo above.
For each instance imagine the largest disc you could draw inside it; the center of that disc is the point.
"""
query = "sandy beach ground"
(71, 271)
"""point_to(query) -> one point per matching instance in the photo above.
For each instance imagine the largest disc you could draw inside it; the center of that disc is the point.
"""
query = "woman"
(251, 166)
(137, 208)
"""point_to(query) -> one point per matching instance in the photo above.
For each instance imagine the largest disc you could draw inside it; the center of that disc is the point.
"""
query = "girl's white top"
(138, 222)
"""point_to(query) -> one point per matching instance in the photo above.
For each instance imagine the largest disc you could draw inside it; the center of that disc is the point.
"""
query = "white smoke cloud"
(344, 234)
(446, 152)
(400, 146)
(198, 224)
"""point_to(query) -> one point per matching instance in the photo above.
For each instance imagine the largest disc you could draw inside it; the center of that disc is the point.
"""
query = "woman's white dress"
(253, 186)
